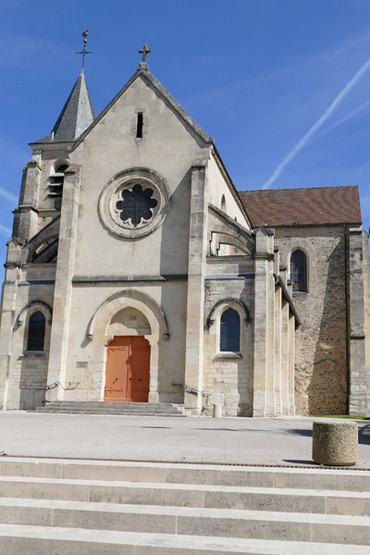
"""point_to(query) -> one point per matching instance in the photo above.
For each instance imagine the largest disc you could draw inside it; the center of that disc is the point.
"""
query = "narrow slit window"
(139, 126)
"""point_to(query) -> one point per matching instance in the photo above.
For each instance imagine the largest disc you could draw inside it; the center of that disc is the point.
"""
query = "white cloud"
(8, 196)
(12, 153)
(316, 126)
(5, 230)
(18, 51)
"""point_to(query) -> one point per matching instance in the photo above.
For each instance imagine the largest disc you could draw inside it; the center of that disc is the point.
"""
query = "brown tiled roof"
(311, 206)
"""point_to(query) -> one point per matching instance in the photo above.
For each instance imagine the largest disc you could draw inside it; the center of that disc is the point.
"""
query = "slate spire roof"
(77, 114)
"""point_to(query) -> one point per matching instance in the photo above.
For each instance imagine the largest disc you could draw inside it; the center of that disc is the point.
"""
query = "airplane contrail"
(328, 112)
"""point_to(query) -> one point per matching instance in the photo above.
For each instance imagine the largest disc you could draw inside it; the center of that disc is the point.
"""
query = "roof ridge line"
(299, 188)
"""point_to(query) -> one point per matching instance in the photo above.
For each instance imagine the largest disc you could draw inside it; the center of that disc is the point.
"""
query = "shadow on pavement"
(305, 433)
(300, 462)
(364, 434)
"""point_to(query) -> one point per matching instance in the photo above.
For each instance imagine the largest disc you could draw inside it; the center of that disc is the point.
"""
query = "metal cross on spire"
(84, 52)
(144, 51)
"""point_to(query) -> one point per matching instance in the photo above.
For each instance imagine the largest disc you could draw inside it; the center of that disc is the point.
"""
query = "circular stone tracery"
(134, 203)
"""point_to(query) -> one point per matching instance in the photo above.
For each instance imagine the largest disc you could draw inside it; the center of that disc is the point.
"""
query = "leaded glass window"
(36, 332)
(230, 331)
(298, 271)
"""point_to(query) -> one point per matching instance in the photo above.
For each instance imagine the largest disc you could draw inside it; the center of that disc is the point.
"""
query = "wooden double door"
(128, 369)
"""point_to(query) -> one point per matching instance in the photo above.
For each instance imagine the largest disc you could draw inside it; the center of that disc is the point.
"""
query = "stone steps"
(43, 540)
(179, 473)
(186, 521)
(189, 495)
(76, 506)
(137, 409)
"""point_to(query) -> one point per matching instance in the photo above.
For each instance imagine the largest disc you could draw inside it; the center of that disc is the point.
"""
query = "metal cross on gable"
(84, 52)
(144, 51)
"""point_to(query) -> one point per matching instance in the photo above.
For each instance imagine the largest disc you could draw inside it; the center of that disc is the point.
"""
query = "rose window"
(136, 205)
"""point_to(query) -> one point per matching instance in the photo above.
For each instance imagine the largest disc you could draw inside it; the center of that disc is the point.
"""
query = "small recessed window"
(230, 331)
(36, 332)
(56, 181)
(139, 126)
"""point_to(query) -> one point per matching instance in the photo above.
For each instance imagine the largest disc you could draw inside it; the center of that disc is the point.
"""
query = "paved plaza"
(270, 441)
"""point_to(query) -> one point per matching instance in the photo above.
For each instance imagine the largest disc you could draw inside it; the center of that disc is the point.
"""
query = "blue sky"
(282, 85)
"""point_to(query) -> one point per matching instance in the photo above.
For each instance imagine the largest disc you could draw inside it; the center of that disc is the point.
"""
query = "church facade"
(137, 272)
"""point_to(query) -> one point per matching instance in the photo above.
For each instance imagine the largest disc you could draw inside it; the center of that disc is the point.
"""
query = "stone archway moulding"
(49, 231)
(34, 306)
(228, 302)
(129, 299)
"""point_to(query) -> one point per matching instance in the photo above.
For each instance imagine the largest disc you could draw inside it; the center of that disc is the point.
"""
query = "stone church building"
(137, 272)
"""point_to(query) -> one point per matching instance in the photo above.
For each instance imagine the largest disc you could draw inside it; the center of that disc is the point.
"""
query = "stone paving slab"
(270, 441)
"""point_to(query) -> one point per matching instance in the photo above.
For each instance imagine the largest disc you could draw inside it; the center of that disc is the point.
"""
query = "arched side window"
(298, 271)
(230, 331)
(36, 332)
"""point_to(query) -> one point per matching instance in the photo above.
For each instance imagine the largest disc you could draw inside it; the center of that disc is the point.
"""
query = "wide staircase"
(77, 507)
(133, 409)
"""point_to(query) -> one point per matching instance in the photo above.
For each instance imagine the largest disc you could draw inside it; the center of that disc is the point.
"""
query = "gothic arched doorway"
(128, 369)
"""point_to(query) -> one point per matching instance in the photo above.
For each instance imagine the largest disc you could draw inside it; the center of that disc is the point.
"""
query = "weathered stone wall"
(366, 273)
(27, 382)
(359, 373)
(228, 379)
(26, 372)
(222, 196)
(321, 355)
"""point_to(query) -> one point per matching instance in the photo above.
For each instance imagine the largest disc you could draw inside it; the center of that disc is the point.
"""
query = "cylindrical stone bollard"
(335, 443)
(217, 411)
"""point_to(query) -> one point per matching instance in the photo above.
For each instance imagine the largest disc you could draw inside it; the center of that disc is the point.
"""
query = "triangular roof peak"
(145, 74)
(76, 115)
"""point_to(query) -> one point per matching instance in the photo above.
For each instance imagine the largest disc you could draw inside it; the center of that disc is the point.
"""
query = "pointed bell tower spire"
(78, 112)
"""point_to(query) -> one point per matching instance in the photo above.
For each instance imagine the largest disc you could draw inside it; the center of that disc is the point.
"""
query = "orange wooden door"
(139, 368)
(117, 370)
(128, 369)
